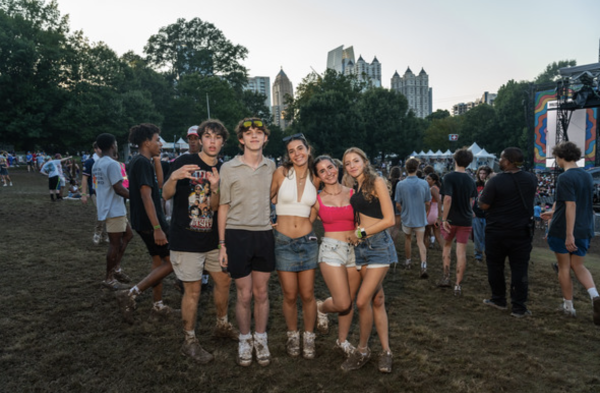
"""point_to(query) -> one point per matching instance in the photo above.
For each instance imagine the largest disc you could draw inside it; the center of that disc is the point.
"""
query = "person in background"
(478, 224)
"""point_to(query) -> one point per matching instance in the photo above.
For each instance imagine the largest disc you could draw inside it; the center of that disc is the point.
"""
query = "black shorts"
(153, 248)
(54, 183)
(249, 251)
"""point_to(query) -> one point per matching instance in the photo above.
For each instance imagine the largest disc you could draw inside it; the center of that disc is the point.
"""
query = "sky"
(466, 46)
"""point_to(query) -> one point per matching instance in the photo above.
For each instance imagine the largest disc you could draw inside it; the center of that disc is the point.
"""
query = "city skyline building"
(343, 61)
(461, 108)
(282, 88)
(262, 85)
(416, 90)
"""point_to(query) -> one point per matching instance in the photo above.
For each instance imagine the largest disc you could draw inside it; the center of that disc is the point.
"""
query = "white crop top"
(287, 197)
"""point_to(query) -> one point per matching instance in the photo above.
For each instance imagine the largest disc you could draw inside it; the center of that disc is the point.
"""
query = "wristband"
(216, 191)
(358, 233)
(221, 241)
(221, 245)
(157, 226)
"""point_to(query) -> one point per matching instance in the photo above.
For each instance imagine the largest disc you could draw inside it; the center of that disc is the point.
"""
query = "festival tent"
(438, 154)
(165, 144)
(429, 154)
(447, 154)
(413, 154)
(421, 154)
(474, 148)
(181, 144)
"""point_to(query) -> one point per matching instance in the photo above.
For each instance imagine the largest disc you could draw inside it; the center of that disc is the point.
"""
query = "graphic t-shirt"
(193, 223)
(141, 173)
(106, 173)
(53, 168)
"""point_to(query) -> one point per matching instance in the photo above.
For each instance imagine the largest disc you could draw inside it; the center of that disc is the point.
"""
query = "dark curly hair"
(567, 150)
(142, 133)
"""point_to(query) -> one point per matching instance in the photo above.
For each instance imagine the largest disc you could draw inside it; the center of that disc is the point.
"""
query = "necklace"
(334, 194)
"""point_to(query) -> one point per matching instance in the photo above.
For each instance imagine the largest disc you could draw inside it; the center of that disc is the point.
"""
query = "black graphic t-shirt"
(193, 223)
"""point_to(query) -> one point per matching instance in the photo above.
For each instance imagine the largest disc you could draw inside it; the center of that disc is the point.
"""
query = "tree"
(479, 125)
(551, 73)
(438, 114)
(436, 135)
(195, 46)
(510, 105)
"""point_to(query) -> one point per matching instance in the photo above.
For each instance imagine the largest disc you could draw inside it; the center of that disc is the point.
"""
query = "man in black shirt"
(148, 219)
(458, 190)
(508, 200)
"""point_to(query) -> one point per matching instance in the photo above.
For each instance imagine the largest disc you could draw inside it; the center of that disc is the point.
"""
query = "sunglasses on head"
(294, 137)
(253, 123)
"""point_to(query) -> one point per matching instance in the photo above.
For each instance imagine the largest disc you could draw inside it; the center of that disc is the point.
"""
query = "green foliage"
(551, 73)
(436, 135)
(438, 114)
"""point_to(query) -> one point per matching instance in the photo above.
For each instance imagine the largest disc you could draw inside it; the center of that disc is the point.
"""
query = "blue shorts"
(378, 249)
(296, 255)
(557, 245)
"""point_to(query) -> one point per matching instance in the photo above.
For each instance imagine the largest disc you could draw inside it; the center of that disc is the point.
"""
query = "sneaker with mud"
(308, 345)
(127, 305)
(226, 330)
(346, 348)
(596, 304)
(96, 239)
(385, 362)
(114, 285)
(424, 275)
(457, 290)
(356, 360)
(322, 319)
(407, 265)
(568, 313)
(165, 312)
(244, 356)
(444, 282)
(261, 347)
(491, 303)
(292, 346)
(192, 349)
(121, 277)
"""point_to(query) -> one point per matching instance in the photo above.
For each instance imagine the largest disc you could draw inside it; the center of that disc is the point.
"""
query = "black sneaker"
(491, 303)
(521, 314)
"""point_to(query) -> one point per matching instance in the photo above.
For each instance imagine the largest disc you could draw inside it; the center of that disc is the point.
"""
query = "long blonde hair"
(368, 185)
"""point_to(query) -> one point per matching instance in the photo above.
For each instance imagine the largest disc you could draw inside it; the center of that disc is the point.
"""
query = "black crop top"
(361, 205)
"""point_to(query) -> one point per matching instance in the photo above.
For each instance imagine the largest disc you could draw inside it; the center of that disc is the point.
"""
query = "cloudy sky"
(466, 46)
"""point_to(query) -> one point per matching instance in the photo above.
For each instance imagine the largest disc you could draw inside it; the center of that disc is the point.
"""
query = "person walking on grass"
(148, 219)
(88, 189)
(507, 200)
(246, 238)
(108, 183)
(296, 246)
(413, 199)
(458, 190)
(4, 169)
(374, 253)
(482, 175)
(194, 238)
(572, 226)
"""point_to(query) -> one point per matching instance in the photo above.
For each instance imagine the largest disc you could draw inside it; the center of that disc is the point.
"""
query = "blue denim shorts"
(557, 245)
(378, 249)
(336, 253)
(296, 255)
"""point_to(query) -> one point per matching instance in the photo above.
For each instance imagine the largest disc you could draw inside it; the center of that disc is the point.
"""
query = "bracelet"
(215, 192)
(358, 233)
(157, 226)
(221, 241)
(221, 245)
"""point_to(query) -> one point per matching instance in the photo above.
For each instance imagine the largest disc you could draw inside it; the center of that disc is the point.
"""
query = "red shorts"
(460, 233)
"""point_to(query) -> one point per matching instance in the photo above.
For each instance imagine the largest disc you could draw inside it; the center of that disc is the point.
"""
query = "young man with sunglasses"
(245, 236)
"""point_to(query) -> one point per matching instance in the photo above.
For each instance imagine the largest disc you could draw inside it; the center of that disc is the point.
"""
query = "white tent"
(482, 158)
(438, 154)
(181, 144)
(475, 148)
(413, 154)
(447, 154)
(421, 154)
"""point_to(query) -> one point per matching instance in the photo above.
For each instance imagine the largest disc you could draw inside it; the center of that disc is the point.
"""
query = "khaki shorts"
(188, 266)
(116, 224)
(409, 230)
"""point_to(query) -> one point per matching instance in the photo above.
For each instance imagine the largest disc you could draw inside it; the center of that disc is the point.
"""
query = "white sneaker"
(263, 356)
(11, 184)
(244, 357)
(292, 345)
(96, 239)
(322, 319)
(308, 349)
(345, 347)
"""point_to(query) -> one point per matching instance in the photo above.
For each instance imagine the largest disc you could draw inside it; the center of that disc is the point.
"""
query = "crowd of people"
(242, 219)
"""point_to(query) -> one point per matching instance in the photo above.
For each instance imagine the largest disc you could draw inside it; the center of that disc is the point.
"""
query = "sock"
(363, 350)
(568, 304)
(424, 264)
(593, 292)
(432, 239)
(245, 336)
(159, 305)
(134, 292)
(222, 320)
(189, 334)
(408, 261)
(260, 336)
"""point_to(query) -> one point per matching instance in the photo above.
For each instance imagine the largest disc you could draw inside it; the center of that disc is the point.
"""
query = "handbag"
(531, 222)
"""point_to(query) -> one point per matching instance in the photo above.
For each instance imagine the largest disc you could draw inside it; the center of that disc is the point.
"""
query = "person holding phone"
(296, 246)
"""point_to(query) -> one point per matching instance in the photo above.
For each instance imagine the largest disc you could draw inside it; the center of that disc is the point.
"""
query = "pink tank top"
(336, 219)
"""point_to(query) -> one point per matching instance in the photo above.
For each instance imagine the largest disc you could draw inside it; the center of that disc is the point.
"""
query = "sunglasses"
(294, 137)
(253, 123)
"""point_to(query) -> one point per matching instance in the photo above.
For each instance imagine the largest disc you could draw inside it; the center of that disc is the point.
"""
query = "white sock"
(159, 305)
(568, 304)
(245, 336)
(189, 334)
(222, 320)
(593, 292)
(134, 292)
(407, 262)
(261, 336)
(424, 264)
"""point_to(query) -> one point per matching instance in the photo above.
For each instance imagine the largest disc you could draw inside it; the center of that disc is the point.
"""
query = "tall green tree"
(436, 135)
(551, 73)
(197, 47)
(510, 109)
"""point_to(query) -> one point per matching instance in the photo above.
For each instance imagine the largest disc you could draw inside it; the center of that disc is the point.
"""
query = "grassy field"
(62, 332)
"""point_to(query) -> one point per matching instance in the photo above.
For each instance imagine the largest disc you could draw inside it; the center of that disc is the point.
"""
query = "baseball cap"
(193, 130)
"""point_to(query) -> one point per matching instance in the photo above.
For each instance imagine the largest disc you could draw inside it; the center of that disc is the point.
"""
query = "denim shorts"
(378, 249)
(296, 255)
(557, 245)
(336, 253)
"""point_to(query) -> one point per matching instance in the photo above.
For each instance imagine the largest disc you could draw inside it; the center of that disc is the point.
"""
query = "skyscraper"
(342, 61)
(282, 88)
(416, 90)
(262, 85)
